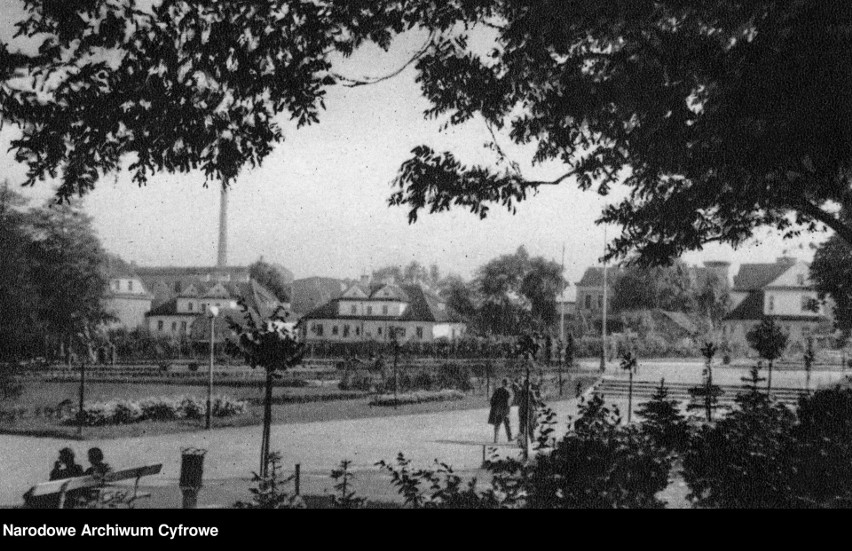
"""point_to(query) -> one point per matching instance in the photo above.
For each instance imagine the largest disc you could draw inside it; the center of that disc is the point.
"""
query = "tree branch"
(841, 229)
(353, 82)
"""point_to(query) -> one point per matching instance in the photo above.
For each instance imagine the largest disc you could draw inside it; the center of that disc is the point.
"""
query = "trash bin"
(191, 475)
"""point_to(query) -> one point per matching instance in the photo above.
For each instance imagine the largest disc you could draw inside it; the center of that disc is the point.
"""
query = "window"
(160, 325)
(318, 329)
(385, 310)
(116, 285)
(174, 326)
(588, 302)
(600, 301)
(334, 330)
(354, 309)
(346, 329)
(380, 331)
(189, 306)
(183, 326)
(419, 332)
(800, 279)
(203, 306)
(771, 303)
(130, 285)
(357, 331)
(369, 310)
(809, 304)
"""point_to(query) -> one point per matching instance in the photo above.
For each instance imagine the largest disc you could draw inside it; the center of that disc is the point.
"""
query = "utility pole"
(562, 300)
(603, 319)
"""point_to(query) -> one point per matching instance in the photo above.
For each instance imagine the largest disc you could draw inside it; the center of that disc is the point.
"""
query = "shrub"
(121, 412)
(663, 422)
(740, 462)
(416, 397)
(454, 376)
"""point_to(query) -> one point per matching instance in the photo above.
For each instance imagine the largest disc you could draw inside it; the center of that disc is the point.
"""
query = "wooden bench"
(53, 494)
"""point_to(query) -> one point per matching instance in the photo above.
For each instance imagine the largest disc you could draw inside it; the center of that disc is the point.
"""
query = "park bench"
(54, 494)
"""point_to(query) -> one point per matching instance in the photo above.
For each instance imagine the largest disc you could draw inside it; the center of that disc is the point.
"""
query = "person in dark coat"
(528, 399)
(499, 414)
(98, 466)
(66, 467)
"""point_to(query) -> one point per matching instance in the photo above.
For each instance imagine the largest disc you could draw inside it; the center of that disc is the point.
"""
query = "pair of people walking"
(501, 406)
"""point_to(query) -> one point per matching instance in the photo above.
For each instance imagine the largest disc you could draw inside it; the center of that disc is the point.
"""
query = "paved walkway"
(454, 437)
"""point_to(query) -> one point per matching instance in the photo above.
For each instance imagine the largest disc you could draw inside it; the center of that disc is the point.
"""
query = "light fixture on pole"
(212, 312)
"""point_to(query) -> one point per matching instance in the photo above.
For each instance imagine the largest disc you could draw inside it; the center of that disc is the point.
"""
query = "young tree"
(770, 341)
(663, 422)
(271, 277)
(270, 345)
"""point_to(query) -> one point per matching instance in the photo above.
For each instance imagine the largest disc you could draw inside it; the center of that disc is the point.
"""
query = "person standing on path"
(499, 414)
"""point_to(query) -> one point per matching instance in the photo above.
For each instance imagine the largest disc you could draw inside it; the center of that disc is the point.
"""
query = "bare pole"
(562, 300)
(603, 324)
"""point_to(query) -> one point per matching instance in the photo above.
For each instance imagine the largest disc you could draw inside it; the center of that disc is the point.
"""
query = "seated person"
(66, 467)
(98, 466)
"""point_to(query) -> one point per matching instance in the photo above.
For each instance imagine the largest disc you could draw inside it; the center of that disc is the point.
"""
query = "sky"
(318, 204)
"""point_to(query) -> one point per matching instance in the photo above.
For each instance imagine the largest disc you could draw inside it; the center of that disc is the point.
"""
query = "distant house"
(367, 312)
(781, 290)
(126, 298)
(166, 282)
(177, 315)
(590, 291)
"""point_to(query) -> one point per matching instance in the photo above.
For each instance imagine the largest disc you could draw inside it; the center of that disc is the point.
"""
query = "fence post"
(298, 477)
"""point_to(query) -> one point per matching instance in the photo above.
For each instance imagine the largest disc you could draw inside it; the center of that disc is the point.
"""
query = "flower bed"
(417, 397)
(164, 408)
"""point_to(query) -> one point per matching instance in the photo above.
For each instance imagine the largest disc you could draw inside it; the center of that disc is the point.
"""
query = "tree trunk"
(267, 424)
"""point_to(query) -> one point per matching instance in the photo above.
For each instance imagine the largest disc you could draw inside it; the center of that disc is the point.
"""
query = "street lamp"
(212, 312)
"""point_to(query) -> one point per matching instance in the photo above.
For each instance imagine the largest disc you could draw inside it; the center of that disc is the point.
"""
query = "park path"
(455, 437)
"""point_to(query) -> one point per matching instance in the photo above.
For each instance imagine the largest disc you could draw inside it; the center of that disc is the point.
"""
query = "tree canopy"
(52, 278)
(831, 273)
(271, 277)
(718, 117)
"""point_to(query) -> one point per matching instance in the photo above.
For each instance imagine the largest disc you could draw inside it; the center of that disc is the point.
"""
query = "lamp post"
(212, 312)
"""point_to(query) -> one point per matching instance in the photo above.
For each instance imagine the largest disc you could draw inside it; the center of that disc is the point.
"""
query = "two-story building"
(781, 290)
(367, 312)
(176, 316)
(126, 299)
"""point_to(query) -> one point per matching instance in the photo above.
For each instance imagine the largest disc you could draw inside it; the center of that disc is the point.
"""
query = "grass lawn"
(41, 394)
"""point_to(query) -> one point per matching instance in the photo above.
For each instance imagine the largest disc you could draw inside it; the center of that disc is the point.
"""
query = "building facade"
(781, 290)
(127, 298)
(366, 312)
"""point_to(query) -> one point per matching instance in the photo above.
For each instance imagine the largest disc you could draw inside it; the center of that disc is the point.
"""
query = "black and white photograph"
(422, 254)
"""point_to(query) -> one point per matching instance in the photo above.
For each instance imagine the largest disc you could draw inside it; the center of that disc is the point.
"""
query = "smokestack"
(222, 260)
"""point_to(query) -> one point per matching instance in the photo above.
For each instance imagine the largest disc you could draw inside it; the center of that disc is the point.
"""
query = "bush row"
(165, 408)
(446, 376)
(418, 397)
